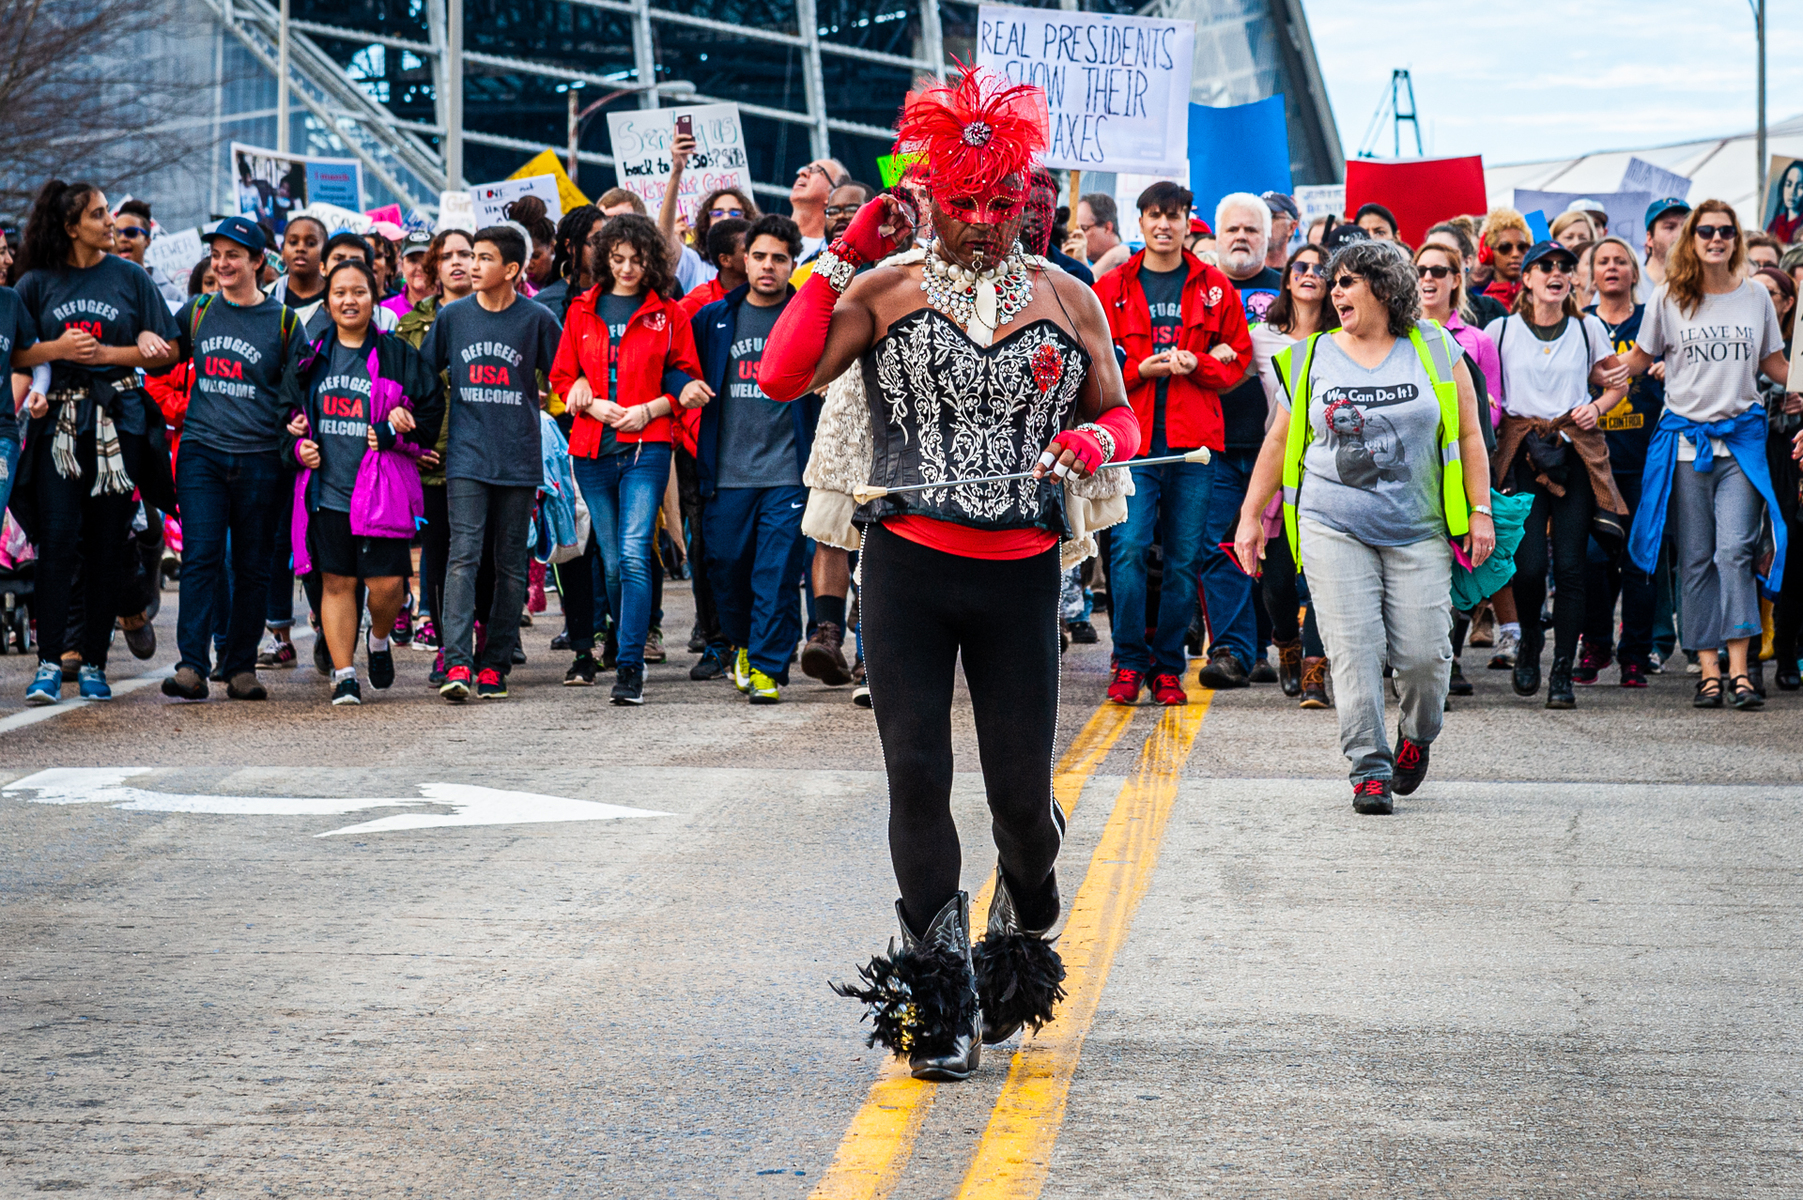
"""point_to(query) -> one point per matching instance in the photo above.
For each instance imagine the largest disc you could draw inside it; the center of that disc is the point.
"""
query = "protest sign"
(546, 162)
(175, 251)
(1117, 87)
(1782, 214)
(1624, 211)
(1244, 148)
(334, 217)
(456, 212)
(490, 200)
(641, 148)
(388, 212)
(1538, 227)
(1420, 192)
(1317, 200)
(272, 185)
(1642, 176)
(891, 166)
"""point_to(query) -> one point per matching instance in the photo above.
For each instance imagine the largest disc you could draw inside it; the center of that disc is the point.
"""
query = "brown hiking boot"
(186, 684)
(823, 658)
(244, 686)
(1314, 683)
(1289, 667)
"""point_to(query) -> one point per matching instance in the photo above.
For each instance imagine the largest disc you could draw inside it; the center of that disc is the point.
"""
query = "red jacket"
(1211, 315)
(701, 297)
(657, 340)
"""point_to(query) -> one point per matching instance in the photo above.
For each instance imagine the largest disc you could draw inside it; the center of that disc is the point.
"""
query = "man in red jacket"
(1180, 325)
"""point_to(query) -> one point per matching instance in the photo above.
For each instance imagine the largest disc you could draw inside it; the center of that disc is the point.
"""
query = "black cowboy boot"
(923, 998)
(1019, 976)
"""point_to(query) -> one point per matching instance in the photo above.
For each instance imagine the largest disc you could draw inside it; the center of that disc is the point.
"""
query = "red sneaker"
(1372, 798)
(1632, 675)
(1124, 687)
(456, 686)
(1168, 689)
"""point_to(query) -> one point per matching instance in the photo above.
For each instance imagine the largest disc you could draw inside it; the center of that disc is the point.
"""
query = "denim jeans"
(226, 497)
(624, 493)
(1382, 604)
(477, 509)
(1172, 500)
(1232, 608)
(754, 558)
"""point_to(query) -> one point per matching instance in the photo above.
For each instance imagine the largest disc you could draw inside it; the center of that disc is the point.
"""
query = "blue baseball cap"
(1659, 208)
(245, 232)
(1540, 250)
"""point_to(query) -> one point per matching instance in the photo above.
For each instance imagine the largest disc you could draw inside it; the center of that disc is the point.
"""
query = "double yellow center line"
(1012, 1158)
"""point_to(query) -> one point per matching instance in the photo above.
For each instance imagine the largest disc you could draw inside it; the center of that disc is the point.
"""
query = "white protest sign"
(456, 212)
(335, 218)
(1625, 210)
(175, 251)
(1642, 176)
(1117, 87)
(1317, 200)
(641, 146)
(489, 200)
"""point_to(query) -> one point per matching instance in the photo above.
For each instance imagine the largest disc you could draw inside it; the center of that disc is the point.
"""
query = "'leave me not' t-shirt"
(239, 354)
(494, 360)
(1164, 300)
(343, 432)
(757, 434)
(17, 332)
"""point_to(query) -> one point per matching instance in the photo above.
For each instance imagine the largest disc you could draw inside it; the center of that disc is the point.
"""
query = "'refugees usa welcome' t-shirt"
(114, 300)
(239, 353)
(494, 360)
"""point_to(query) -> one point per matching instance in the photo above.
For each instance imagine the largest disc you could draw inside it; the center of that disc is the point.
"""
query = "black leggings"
(921, 610)
(1569, 518)
(1282, 598)
(78, 534)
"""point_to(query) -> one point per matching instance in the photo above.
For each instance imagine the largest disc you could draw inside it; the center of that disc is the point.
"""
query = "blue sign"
(1245, 148)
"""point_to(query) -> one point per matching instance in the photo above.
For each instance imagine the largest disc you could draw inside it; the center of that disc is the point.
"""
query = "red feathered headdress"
(973, 135)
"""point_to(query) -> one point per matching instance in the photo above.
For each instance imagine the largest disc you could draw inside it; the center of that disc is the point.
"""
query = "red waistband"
(966, 542)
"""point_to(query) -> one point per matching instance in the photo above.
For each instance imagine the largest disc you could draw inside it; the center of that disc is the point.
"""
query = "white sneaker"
(1503, 657)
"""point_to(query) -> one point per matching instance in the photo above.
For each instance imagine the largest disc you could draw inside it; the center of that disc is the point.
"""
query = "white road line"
(125, 687)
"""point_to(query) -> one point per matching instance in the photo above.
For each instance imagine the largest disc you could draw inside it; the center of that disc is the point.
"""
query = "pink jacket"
(1482, 349)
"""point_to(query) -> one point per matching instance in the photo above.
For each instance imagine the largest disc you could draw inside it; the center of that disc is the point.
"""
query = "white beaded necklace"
(980, 301)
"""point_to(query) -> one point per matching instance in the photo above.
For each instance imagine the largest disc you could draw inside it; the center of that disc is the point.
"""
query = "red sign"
(1421, 192)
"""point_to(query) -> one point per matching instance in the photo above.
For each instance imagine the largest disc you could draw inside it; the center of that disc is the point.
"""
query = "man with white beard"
(1239, 630)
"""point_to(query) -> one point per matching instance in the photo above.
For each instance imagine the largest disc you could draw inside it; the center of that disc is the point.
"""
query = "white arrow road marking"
(474, 805)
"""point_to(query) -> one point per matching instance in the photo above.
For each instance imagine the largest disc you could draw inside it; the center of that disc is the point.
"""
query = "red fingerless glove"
(864, 238)
(1085, 446)
(1121, 422)
(794, 347)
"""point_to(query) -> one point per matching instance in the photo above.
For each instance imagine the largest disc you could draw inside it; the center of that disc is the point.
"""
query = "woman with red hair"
(963, 361)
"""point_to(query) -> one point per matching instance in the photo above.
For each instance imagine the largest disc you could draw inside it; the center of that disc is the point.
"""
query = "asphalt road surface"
(545, 947)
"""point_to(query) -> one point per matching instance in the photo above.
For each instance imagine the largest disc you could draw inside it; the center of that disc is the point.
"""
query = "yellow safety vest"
(1438, 365)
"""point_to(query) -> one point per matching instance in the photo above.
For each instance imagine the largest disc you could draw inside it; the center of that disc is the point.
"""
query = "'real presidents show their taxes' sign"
(1117, 87)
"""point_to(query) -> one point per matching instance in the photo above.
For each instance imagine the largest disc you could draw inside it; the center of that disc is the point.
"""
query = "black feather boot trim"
(921, 1000)
(1020, 978)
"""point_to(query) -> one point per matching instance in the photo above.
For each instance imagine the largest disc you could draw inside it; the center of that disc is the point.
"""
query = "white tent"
(1720, 168)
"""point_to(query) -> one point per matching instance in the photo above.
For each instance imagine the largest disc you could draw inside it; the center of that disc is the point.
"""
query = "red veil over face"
(978, 139)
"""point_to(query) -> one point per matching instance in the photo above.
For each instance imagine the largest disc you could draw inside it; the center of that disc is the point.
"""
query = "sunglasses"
(1436, 272)
(723, 213)
(130, 231)
(1346, 283)
(1555, 266)
(1710, 232)
(1309, 268)
(1511, 247)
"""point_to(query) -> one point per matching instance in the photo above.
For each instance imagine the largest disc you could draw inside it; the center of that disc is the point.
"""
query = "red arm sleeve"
(799, 339)
(1121, 422)
(565, 369)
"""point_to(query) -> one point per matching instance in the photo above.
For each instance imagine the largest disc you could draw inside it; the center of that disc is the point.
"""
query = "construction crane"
(1397, 108)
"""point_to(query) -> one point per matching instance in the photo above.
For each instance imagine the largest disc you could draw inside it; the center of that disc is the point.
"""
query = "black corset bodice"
(943, 407)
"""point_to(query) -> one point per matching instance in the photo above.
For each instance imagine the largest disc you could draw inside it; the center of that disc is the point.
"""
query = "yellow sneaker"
(741, 670)
(762, 689)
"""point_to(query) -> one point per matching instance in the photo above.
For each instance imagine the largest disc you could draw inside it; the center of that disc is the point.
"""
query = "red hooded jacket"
(657, 341)
(1212, 315)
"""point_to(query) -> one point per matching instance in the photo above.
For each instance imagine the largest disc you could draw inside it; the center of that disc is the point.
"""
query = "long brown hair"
(1281, 316)
(1683, 266)
(1460, 304)
(643, 235)
(435, 253)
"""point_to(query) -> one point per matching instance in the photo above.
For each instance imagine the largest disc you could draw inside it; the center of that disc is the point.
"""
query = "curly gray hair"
(1387, 271)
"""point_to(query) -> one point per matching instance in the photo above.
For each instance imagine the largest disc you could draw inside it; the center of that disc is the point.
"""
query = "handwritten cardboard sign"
(641, 148)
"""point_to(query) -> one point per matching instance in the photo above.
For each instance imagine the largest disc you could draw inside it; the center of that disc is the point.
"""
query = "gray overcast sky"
(1554, 78)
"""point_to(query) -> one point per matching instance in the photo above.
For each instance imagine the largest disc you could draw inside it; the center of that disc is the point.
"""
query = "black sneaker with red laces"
(1411, 765)
(1372, 798)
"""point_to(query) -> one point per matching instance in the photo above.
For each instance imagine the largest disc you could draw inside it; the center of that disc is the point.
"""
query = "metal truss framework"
(398, 152)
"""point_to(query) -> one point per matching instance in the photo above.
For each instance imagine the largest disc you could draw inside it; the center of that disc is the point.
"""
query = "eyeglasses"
(1511, 247)
(1710, 232)
(1346, 283)
(1555, 266)
(1309, 268)
(810, 169)
(130, 231)
(838, 210)
(720, 214)
(1436, 272)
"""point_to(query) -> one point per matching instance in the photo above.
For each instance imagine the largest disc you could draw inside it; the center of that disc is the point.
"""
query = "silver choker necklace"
(981, 301)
